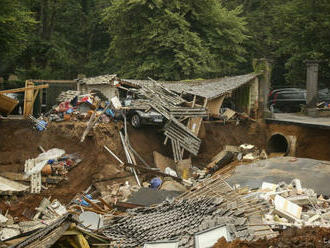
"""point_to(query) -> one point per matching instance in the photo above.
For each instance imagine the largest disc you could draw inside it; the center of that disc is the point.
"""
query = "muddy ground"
(289, 238)
(18, 142)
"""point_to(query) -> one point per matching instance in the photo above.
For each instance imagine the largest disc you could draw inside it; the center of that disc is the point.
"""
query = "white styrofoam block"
(116, 103)
(268, 186)
(287, 208)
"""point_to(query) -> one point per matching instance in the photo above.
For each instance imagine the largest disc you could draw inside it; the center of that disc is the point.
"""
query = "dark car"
(139, 117)
(291, 99)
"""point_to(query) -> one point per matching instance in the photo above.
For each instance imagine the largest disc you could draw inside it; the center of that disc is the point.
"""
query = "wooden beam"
(24, 89)
(53, 81)
(28, 98)
(35, 96)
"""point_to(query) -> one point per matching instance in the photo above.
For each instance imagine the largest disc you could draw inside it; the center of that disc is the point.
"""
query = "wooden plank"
(53, 81)
(28, 98)
(24, 89)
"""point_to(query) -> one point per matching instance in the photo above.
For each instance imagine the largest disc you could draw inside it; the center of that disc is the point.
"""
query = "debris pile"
(137, 202)
(293, 205)
(74, 106)
(178, 114)
(175, 221)
(54, 164)
(244, 153)
(46, 214)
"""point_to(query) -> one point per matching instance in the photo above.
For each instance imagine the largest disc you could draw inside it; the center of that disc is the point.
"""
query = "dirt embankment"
(293, 237)
(311, 142)
(216, 135)
(18, 142)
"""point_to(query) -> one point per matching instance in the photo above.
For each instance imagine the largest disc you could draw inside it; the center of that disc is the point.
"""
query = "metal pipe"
(114, 155)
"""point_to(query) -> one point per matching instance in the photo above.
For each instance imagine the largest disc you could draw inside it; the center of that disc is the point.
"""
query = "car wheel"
(136, 121)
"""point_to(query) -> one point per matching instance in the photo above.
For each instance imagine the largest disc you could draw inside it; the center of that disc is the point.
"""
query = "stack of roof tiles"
(176, 221)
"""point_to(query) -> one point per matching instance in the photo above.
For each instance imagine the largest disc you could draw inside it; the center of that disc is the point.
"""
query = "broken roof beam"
(53, 81)
(24, 89)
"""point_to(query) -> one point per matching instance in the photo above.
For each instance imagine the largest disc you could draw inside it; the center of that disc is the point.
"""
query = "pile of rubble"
(46, 214)
(74, 106)
(175, 221)
(293, 205)
(50, 167)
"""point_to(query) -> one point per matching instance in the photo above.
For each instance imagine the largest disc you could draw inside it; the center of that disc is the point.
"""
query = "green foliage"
(289, 32)
(305, 26)
(173, 39)
(16, 24)
(68, 41)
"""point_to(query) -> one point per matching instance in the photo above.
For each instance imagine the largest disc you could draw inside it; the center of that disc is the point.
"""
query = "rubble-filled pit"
(19, 141)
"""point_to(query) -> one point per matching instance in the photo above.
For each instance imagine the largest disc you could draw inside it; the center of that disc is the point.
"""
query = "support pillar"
(265, 65)
(311, 87)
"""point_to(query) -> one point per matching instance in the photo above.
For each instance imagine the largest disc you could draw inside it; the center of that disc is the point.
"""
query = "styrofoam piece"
(116, 103)
(209, 237)
(286, 208)
(268, 186)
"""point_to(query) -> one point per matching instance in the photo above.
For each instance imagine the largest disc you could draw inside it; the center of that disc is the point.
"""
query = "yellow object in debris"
(78, 240)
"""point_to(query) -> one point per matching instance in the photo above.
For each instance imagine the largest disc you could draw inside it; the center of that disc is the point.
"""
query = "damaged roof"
(104, 79)
(208, 88)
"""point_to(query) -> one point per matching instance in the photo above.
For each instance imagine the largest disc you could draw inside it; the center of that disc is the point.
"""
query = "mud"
(18, 142)
(293, 237)
(216, 135)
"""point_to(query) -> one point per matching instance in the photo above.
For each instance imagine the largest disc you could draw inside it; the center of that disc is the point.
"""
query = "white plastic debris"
(170, 172)
(58, 207)
(43, 159)
(269, 186)
(3, 218)
(286, 208)
(116, 103)
(246, 146)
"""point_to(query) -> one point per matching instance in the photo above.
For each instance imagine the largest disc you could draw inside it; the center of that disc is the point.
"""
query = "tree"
(304, 26)
(70, 40)
(174, 39)
(289, 32)
(16, 24)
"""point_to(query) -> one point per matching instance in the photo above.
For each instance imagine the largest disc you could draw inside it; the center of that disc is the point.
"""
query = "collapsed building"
(113, 194)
